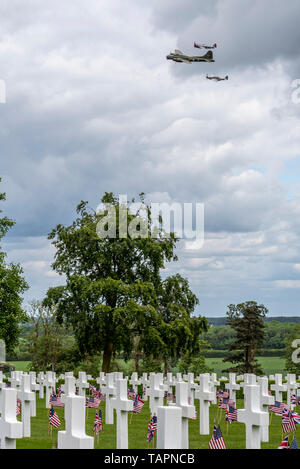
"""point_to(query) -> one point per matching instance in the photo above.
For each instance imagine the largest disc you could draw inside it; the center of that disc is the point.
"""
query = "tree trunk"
(107, 356)
(166, 367)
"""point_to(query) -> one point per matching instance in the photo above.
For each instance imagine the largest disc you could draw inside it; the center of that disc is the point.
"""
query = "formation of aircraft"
(204, 46)
(178, 56)
(217, 78)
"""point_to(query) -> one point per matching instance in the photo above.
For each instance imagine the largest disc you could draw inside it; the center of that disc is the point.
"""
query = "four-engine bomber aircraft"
(178, 56)
(217, 78)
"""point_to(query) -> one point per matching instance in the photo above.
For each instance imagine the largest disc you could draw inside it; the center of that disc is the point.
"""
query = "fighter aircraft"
(178, 56)
(217, 78)
(204, 46)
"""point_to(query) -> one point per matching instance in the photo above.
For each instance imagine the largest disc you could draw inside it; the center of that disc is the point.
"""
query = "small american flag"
(231, 415)
(18, 410)
(153, 422)
(150, 433)
(92, 403)
(55, 401)
(223, 403)
(288, 423)
(293, 399)
(53, 418)
(278, 408)
(284, 444)
(131, 393)
(217, 440)
(138, 404)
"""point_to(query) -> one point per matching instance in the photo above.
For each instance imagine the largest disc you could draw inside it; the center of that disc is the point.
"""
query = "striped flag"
(217, 440)
(92, 403)
(231, 415)
(53, 418)
(288, 423)
(223, 403)
(98, 423)
(138, 404)
(284, 444)
(296, 417)
(278, 408)
(18, 410)
(55, 401)
(293, 399)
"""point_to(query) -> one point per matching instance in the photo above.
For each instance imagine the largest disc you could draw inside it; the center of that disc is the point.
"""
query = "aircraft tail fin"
(226, 78)
(178, 52)
(209, 55)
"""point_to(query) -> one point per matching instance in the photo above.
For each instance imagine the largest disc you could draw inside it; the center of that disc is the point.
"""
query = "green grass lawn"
(270, 365)
(234, 434)
(21, 366)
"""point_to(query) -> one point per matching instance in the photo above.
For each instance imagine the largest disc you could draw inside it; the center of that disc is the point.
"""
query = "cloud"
(93, 106)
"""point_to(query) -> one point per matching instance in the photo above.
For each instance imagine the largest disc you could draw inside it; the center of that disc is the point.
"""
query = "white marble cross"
(188, 411)
(169, 427)
(101, 380)
(265, 401)
(122, 405)
(178, 377)
(156, 393)
(33, 387)
(292, 386)
(134, 381)
(278, 387)
(49, 384)
(74, 437)
(214, 383)
(204, 395)
(82, 383)
(26, 396)
(252, 416)
(192, 386)
(10, 428)
(110, 391)
(146, 383)
(169, 382)
(68, 388)
(40, 380)
(232, 387)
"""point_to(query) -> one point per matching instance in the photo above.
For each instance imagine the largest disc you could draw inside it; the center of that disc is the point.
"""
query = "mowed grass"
(270, 365)
(21, 366)
(234, 434)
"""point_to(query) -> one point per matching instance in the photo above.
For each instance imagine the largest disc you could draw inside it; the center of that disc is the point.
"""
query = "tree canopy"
(247, 320)
(114, 291)
(12, 286)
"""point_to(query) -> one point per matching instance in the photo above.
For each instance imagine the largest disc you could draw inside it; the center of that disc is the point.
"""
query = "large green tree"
(12, 286)
(113, 283)
(247, 320)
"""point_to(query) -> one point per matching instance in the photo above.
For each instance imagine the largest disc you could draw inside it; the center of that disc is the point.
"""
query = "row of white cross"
(172, 427)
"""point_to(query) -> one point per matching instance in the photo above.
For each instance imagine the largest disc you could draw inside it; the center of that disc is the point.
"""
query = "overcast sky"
(93, 106)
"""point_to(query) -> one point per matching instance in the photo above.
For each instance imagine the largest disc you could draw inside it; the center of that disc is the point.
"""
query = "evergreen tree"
(247, 320)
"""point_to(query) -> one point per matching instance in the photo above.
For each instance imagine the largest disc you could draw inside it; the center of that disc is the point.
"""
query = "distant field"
(20, 366)
(270, 365)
